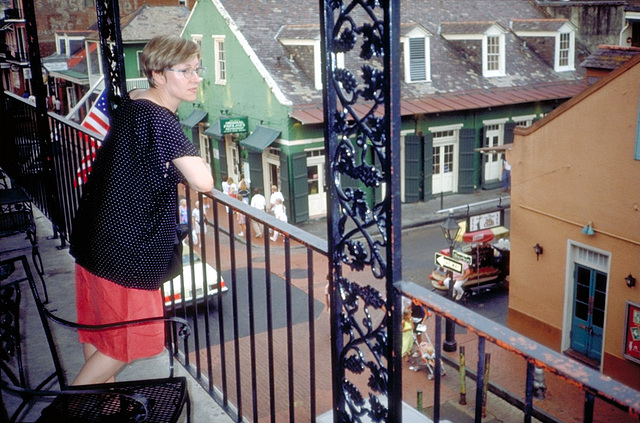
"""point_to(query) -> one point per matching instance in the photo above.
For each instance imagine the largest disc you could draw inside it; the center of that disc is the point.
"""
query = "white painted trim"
(463, 37)
(317, 65)
(632, 16)
(291, 143)
(453, 127)
(536, 34)
(500, 121)
(523, 118)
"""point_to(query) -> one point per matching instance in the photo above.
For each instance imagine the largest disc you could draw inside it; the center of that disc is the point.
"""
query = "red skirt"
(100, 301)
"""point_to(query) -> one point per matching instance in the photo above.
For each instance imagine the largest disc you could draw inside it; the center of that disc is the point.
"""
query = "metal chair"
(16, 216)
(153, 400)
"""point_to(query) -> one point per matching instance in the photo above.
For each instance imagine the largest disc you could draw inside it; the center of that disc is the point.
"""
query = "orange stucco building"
(580, 166)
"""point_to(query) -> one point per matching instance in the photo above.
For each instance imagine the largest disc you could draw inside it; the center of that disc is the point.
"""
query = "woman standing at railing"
(125, 228)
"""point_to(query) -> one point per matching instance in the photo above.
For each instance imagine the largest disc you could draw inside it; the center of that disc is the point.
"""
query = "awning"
(214, 131)
(499, 232)
(55, 62)
(260, 138)
(194, 118)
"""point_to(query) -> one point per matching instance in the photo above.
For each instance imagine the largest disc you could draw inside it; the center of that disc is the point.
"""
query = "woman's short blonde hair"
(166, 51)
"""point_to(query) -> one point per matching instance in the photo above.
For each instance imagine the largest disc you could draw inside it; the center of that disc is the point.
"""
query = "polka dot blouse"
(124, 229)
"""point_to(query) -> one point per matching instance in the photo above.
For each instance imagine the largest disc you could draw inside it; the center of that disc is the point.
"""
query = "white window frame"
(66, 40)
(570, 50)
(523, 121)
(197, 38)
(406, 51)
(493, 32)
(139, 64)
(220, 62)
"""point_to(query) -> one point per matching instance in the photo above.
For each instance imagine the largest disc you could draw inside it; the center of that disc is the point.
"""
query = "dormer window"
(565, 42)
(416, 54)
(554, 40)
(481, 41)
(302, 44)
(493, 54)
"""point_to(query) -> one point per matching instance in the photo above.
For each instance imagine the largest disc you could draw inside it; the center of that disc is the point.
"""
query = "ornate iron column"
(52, 194)
(112, 53)
(362, 132)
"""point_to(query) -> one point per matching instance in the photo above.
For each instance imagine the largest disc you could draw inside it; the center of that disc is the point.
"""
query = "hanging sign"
(233, 125)
(483, 221)
(632, 332)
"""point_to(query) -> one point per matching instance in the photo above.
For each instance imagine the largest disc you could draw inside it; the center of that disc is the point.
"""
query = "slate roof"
(262, 22)
(150, 21)
(465, 27)
(609, 57)
(537, 24)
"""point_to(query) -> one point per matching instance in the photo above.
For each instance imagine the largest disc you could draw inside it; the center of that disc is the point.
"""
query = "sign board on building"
(58, 66)
(631, 348)
(233, 125)
(483, 221)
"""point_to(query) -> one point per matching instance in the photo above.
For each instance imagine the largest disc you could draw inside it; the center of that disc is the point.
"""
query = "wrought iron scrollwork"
(357, 133)
(9, 327)
(112, 51)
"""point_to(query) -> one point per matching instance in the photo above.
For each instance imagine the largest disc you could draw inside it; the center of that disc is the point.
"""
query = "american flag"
(96, 120)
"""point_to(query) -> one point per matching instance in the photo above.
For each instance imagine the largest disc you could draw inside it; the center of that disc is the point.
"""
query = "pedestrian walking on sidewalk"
(243, 194)
(259, 202)
(280, 212)
(275, 196)
(125, 229)
(506, 175)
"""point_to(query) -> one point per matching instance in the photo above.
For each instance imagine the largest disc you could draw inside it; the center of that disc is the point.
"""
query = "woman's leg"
(97, 368)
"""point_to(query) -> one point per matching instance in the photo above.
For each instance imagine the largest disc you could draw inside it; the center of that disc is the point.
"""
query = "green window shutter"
(222, 151)
(508, 132)
(417, 61)
(293, 177)
(255, 171)
(427, 156)
(466, 161)
(412, 168)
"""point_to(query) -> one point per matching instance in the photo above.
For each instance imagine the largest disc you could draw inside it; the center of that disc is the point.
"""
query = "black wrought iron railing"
(262, 349)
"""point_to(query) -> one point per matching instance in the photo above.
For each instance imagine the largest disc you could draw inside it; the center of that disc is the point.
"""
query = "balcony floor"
(59, 276)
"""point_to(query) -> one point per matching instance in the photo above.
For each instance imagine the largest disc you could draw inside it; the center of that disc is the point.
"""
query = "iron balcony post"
(45, 141)
(108, 13)
(364, 231)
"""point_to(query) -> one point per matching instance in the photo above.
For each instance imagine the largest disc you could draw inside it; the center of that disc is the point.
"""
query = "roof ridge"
(467, 22)
(614, 47)
(540, 20)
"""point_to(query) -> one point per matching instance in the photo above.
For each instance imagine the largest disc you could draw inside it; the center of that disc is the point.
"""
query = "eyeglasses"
(188, 72)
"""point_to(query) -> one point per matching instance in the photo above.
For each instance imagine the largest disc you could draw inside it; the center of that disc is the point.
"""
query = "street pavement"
(433, 211)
